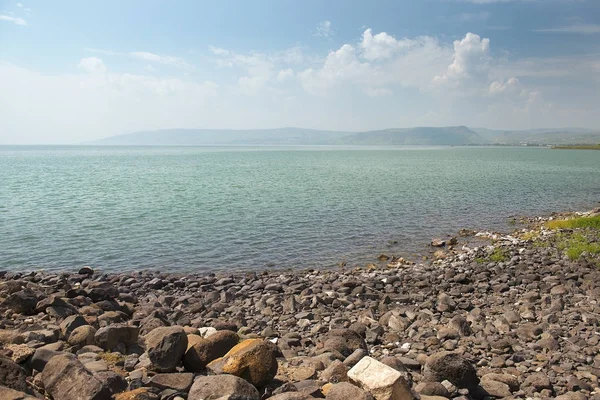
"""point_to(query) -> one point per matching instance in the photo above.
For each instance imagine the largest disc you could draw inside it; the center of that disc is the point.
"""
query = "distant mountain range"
(440, 136)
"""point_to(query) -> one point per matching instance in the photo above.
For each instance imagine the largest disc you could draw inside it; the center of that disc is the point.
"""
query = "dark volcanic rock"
(452, 367)
(12, 375)
(166, 347)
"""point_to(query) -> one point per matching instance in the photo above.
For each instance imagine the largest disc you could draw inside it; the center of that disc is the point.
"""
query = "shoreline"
(517, 315)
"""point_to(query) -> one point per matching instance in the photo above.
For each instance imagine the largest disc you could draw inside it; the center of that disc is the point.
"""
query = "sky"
(75, 71)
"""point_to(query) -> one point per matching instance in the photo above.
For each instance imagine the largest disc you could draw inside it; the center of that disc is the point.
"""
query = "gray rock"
(214, 387)
(12, 375)
(181, 382)
(110, 337)
(66, 378)
(11, 394)
(165, 347)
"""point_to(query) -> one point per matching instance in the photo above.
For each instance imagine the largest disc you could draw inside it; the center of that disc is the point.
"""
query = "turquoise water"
(210, 208)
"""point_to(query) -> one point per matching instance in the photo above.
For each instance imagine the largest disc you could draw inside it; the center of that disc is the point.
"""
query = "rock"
(22, 302)
(347, 391)
(495, 388)
(70, 323)
(113, 381)
(86, 271)
(12, 375)
(452, 367)
(344, 341)
(204, 351)
(537, 381)
(165, 347)
(336, 372)
(181, 382)
(10, 337)
(11, 394)
(20, 352)
(437, 242)
(291, 396)
(41, 357)
(214, 387)
(82, 336)
(110, 337)
(137, 394)
(253, 360)
(66, 378)
(380, 380)
(432, 389)
(510, 380)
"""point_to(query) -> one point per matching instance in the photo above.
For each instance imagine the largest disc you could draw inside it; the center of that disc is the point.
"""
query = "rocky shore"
(515, 317)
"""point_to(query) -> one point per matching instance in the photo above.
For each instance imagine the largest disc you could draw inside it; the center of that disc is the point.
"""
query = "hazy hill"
(296, 136)
(444, 136)
(452, 135)
(199, 137)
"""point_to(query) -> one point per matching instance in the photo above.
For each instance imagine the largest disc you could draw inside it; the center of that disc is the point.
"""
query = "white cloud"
(149, 68)
(161, 59)
(324, 29)
(471, 59)
(584, 29)
(20, 5)
(382, 45)
(510, 85)
(92, 65)
(14, 20)
(285, 74)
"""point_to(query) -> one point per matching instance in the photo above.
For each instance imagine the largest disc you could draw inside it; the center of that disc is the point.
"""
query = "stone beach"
(466, 324)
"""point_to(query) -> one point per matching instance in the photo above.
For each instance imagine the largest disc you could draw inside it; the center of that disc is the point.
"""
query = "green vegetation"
(579, 147)
(579, 235)
(575, 244)
(574, 223)
(498, 255)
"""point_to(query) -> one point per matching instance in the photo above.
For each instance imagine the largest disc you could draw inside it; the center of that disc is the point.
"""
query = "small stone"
(347, 391)
(181, 382)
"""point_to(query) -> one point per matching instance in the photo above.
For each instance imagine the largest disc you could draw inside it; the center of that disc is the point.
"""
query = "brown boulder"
(255, 360)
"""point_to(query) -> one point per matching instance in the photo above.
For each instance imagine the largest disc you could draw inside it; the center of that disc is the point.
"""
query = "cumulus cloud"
(14, 20)
(382, 45)
(471, 58)
(92, 65)
(340, 66)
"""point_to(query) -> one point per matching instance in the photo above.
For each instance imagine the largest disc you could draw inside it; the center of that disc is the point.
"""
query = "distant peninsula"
(423, 136)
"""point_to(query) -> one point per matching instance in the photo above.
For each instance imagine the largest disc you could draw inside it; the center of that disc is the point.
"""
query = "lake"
(234, 208)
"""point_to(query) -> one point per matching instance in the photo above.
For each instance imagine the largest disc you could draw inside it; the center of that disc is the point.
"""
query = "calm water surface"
(210, 208)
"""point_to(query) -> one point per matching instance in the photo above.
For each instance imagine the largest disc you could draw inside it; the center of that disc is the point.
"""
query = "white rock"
(383, 382)
(206, 331)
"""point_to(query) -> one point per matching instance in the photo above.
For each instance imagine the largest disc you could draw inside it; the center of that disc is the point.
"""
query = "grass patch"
(498, 255)
(574, 245)
(531, 235)
(573, 223)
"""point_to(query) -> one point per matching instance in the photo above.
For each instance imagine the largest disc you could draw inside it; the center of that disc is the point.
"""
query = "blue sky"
(72, 71)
